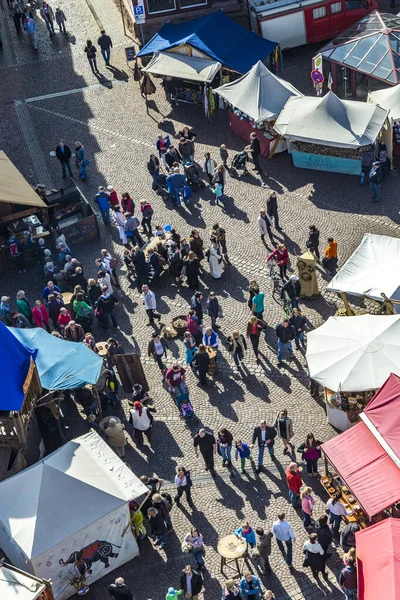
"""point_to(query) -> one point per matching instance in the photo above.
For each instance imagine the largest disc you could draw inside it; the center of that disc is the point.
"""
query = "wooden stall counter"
(332, 485)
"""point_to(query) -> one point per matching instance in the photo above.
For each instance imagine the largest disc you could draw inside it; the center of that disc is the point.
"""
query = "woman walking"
(307, 505)
(190, 345)
(311, 452)
(194, 542)
(284, 428)
(215, 259)
(314, 556)
(253, 331)
(224, 443)
(120, 221)
(237, 346)
(90, 52)
(147, 213)
(142, 422)
(191, 264)
(183, 484)
(281, 257)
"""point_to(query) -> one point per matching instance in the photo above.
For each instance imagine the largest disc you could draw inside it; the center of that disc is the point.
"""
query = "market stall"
(16, 584)
(255, 101)
(389, 99)
(378, 557)
(372, 270)
(329, 134)
(185, 78)
(71, 212)
(67, 517)
(363, 462)
(352, 357)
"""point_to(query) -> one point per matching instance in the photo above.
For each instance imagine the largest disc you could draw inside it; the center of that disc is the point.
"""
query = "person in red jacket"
(63, 318)
(40, 316)
(294, 482)
(281, 256)
(113, 196)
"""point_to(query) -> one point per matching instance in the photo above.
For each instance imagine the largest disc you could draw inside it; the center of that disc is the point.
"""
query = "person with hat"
(142, 422)
(63, 154)
(116, 436)
(5, 310)
(119, 590)
(173, 594)
(292, 288)
(375, 180)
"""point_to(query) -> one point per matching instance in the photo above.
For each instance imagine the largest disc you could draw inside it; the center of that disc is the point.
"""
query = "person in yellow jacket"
(139, 529)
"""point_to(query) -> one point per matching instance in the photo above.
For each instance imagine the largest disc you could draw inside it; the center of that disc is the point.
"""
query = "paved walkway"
(67, 101)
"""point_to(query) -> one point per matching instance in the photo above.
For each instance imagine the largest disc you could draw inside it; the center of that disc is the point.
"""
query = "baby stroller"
(239, 162)
(185, 407)
(193, 176)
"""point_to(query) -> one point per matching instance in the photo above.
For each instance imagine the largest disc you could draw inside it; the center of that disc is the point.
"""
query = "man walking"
(131, 229)
(255, 149)
(213, 309)
(30, 28)
(286, 333)
(292, 288)
(16, 13)
(265, 437)
(294, 483)
(263, 552)
(105, 44)
(150, 304)
(63, 153)
(205, 441)
(375, 180)
(47, 14)
(119, 590)
(195, 303)
(330, 260)
(283, 533)
(272, 209)
(102, 199)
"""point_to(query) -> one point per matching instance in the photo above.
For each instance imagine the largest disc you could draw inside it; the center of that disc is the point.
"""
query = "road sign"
(317, 76)
(139, 14)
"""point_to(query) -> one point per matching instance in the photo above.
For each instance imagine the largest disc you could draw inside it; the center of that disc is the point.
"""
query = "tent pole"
(349, 311)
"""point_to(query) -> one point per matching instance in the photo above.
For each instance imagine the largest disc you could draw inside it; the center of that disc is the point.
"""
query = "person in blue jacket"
(81, 160)
(103, 201)
(250, 586)
(246, 532)
(243, 451)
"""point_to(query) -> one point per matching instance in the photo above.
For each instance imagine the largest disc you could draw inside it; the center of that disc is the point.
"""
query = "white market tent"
(331, 121)
(354, 354)
(74, 500)
(259, 94)
(183, 67)
(389, 99)
(373, 268)
(16, 586)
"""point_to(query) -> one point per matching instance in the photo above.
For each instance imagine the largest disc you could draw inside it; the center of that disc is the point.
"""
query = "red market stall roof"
(378, 558)
(365, 467)
(382, 416)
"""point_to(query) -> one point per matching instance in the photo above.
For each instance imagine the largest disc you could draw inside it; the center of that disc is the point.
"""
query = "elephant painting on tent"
(83, 559)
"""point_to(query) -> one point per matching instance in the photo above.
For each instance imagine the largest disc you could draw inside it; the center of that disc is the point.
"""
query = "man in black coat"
(272, 209)
(324, 534)
(292, 289)
(201, 363)
(255, 149)
(191, 583)
(286, 333)
(195, 303)
(313, 241)
(119, 590)
(265, 437)
(63, 153)
(205, 441)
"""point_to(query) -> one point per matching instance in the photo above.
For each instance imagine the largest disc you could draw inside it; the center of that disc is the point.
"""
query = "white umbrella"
(354, 354)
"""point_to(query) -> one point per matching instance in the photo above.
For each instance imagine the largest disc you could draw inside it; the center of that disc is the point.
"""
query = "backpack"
(14, 248)
(113, 263)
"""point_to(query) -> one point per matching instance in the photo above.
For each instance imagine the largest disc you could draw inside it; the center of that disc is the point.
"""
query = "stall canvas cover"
(90, 554)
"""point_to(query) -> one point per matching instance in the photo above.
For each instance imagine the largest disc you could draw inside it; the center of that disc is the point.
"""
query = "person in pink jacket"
(307, 505)
(40, 316)
(281, 256)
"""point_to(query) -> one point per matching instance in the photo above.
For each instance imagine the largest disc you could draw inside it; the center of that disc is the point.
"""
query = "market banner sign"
(321, 162)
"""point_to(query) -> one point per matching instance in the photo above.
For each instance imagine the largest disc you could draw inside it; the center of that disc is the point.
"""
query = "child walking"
(243, 451)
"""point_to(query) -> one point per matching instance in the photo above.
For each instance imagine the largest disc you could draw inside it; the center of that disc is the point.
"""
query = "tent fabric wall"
(331, 121)
(15, 586)
(216, 36)
(383, 411)
(182, 67)
(14, 189)
(365, 467)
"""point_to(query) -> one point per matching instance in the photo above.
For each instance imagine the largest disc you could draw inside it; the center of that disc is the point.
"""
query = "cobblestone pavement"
(67, 101)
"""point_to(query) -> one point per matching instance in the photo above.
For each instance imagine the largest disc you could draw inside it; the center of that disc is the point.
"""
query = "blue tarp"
(15, 359)
(217, 36)
(61, 365)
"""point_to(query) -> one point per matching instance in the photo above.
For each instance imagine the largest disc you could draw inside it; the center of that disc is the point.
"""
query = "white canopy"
(331, 121)
(259, 93)
(183, 67)
(15, 586)
(389, 99)
(354, 354)
(373, 268)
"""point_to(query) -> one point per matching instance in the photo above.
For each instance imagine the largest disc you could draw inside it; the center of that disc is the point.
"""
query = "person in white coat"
(216, 261)
(120, 221)
(264, 225)
(141, 421)
(150, 304)
(209, 166)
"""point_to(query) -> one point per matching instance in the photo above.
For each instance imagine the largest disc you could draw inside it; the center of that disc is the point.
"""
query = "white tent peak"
(389, 99)
(259, 94)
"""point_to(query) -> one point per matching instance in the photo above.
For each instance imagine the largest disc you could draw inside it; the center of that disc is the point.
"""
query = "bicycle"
(287, 305)
(274, 277)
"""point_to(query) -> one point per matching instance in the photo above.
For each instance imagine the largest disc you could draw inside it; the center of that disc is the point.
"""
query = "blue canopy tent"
(61, 365)
(15, 360)
(216, 36)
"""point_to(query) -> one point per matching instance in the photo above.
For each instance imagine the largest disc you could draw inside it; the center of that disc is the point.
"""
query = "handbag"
(185, 548)
(113, 263)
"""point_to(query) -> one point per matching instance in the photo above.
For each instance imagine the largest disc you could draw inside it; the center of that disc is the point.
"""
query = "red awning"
(384, 412)
(365, 467)
(378, 561)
